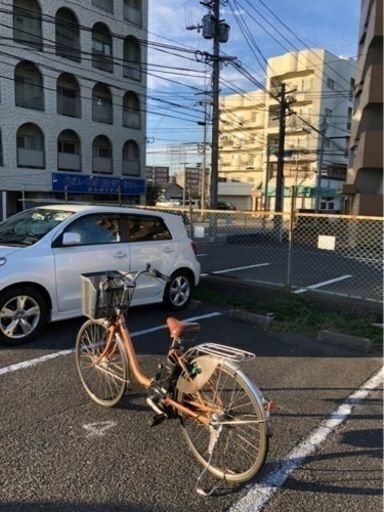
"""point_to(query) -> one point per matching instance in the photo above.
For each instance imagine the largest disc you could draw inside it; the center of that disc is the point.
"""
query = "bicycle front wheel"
(104, 374)
(234, 442)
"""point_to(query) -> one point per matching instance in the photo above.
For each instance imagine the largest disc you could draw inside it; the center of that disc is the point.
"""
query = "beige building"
(319, 86)
(364, 186)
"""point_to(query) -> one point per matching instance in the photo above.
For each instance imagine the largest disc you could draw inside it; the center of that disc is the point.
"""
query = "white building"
(72, 101)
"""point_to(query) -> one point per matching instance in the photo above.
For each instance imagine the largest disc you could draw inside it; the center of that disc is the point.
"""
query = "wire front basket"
(103, 292)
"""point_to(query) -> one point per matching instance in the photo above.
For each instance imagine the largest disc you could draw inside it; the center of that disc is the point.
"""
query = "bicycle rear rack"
(220, 351)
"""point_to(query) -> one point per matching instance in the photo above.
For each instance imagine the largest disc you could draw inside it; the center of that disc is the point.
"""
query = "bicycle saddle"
(178, 329)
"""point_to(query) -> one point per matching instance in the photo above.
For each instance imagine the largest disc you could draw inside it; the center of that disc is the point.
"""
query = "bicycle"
(224, 416)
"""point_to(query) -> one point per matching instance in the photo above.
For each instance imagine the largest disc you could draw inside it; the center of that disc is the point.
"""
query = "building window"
(27, 23)
(102, 155)
(68, 96)
(132, 58)
(131, 159)
(105, 5)
(330, 83)
(102, 111)
(131, 110)
(29, 92)
(30, 146)
(133, 11)
(67, 35)
(306, 84)
(102, 53)
(68, 151)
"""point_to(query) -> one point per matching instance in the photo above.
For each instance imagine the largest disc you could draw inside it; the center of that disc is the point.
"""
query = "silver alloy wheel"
(179, 290)
(19, 317)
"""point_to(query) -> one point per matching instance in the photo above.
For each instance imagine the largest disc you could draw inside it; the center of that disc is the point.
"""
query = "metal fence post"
(290, 238)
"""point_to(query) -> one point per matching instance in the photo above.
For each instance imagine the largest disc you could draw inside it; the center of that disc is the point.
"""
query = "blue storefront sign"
(89, 184)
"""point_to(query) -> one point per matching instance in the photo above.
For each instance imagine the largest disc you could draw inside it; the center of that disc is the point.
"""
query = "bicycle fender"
(205, 366)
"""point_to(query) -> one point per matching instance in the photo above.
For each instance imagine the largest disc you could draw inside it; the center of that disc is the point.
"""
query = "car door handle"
(120, 255)
(168, 249)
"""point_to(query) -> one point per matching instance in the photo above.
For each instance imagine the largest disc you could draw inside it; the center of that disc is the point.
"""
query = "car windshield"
(28, 227)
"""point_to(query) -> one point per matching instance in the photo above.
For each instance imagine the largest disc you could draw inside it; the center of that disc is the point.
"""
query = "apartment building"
(157, 174)
(364, 187)
(319, 87)
(72, 101)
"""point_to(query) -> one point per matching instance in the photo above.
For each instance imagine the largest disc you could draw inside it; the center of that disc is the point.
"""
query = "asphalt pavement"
(61, 452)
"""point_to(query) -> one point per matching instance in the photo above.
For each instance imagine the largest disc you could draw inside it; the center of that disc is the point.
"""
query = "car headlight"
(3, 261)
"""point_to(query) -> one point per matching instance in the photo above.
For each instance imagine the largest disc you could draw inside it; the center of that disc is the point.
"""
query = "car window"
(142, 228)
(96, 229)
(27, 227)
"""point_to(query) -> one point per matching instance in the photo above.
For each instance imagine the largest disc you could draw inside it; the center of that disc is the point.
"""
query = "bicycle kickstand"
(214, 436)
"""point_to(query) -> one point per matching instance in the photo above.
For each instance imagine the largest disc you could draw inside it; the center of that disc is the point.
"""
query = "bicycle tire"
(106, 382)
(241, 449)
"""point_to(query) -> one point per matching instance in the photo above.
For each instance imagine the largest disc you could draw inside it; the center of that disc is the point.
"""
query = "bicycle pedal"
(156, 420)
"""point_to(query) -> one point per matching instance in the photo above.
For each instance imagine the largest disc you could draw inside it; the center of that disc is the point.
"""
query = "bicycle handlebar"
(153, 272)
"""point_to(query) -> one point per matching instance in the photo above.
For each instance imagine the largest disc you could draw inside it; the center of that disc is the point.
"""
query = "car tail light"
(194, 248)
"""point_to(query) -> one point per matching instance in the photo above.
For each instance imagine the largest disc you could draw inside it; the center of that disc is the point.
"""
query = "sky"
(177, 80)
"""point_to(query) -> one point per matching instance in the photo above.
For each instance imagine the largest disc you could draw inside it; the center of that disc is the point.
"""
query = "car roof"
(77, 208)
(90, 208)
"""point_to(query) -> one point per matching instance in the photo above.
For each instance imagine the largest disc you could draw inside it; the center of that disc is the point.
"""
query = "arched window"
(67, 35)
(68, 151)
(30, 146)
(102, 155)
(132, 58)
(133, 11)
(27, 23)
(68, 95)
(131, 110)
(102, 54)
(131, 158)
(29, 92)
(102, 111)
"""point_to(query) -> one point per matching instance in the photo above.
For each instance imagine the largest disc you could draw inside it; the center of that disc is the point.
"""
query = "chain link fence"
(329, 254)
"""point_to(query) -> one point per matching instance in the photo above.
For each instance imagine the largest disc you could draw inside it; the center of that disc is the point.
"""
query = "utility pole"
(322, 132)
(214, 28)
(215, 109)
(280, 151)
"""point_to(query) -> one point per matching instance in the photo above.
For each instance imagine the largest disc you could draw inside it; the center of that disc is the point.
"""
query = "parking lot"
(60, 451)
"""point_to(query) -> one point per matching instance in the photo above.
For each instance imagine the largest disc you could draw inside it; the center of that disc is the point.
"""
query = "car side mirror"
(71, 238)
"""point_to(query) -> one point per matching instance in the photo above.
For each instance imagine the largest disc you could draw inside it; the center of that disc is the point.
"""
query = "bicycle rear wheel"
(105, 379)
(234, 443)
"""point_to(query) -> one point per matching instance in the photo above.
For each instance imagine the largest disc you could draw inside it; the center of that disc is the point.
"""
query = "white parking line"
(323, 283)
(258, 495)
(234, 269)
(33, 362)
(201, 255)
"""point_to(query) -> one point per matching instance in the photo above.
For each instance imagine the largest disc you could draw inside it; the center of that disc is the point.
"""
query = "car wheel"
(178, 291)
(23, 314)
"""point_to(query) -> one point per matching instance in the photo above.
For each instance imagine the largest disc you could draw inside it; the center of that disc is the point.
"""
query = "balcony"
(30, 158)
(102, 165)
(102, 61)
(131, 119)
(105, 5)
(69, 162)
(131, 167)
(133, 15)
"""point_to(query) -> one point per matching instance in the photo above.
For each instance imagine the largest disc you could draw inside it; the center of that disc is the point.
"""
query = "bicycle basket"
(101, 301)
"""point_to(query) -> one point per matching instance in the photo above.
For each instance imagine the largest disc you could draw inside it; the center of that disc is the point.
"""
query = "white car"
(44, 250)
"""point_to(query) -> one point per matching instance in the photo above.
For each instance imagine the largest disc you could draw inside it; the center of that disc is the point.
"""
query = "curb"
(254, 318)
(356, 343)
